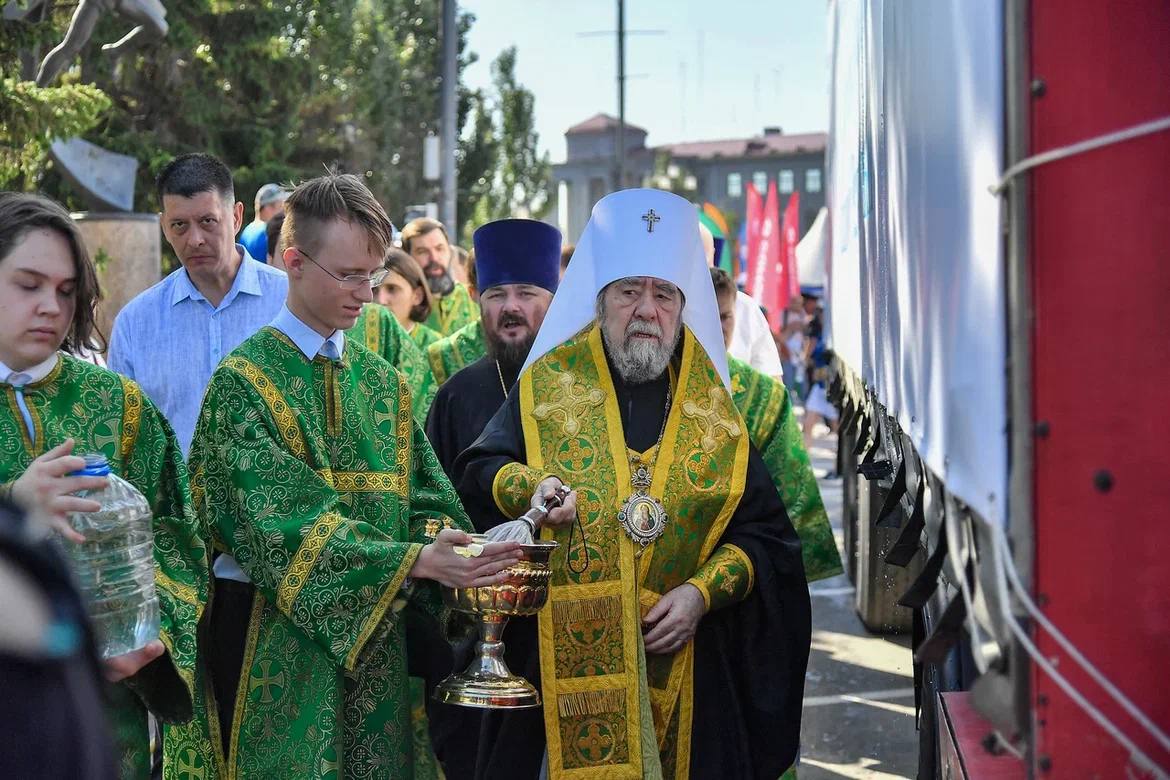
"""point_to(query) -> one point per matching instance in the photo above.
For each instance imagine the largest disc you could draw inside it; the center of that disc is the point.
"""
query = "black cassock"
(463, 406)
(750, 657)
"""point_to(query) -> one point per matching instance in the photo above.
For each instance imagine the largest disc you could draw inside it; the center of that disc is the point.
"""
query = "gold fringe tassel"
(586, 609)
(577, 705)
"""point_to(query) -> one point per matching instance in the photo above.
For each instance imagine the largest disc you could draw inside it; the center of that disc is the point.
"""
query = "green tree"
(520, 185)
(278, 89)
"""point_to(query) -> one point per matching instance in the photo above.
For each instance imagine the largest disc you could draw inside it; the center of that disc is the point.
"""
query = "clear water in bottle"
(115, 564)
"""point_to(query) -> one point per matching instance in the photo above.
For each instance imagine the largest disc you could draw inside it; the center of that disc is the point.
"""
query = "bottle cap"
(96, 465)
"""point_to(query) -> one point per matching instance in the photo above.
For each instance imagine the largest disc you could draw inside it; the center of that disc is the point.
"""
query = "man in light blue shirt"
(269, 202)
(170, 338)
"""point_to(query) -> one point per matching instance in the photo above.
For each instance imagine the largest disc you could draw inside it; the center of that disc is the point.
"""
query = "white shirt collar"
(308, 341)
(29, 375)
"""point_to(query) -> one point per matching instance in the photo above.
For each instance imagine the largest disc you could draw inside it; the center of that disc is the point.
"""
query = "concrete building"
(714, 171)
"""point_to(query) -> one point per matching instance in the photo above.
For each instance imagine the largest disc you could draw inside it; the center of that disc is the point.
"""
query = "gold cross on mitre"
(650, 218)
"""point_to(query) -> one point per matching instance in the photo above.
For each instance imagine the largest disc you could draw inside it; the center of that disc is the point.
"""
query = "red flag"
(791, 231)
(752, 221)
(769, 287)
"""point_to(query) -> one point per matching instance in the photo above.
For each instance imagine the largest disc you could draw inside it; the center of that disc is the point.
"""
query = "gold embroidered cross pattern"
(711, 419)
(572, 399)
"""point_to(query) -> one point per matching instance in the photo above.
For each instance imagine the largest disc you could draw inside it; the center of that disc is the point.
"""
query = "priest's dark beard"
(511, 356)
(639, 360)
(441, 285)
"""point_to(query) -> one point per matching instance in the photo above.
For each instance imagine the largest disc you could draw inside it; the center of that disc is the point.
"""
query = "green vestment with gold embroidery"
(108, 414)
(315, 477)
(381, 333)
(424, 336)
(767, 409)
(451, 312)
(610, 710)
(457, 351)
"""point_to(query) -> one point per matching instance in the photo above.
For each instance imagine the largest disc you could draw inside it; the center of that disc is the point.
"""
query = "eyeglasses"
(352, 281)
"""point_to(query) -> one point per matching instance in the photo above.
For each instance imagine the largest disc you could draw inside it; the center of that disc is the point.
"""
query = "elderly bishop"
(676, 636)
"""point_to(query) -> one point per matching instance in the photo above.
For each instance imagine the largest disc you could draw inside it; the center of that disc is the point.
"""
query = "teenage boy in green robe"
(317, 486)
(55, 407)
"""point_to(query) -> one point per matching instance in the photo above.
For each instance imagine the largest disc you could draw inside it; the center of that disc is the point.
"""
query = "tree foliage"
(31, 118)
(278, 89)
(519, 186)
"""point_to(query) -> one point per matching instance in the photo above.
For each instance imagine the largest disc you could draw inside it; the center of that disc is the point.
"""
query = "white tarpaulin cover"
(916, 274)
(812, 251)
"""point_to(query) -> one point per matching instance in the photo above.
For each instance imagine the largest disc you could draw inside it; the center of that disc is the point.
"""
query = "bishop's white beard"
(639, 360)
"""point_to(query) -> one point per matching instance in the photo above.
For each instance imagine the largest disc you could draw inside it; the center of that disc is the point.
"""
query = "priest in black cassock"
(517, 264)
(676, 636)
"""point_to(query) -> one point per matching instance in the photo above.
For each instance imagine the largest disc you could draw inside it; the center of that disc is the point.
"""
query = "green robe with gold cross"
(381, 333)
(315, 477)
(451, 312)
(767, 409)
(457, 351)
(108, 414)
(727, 703)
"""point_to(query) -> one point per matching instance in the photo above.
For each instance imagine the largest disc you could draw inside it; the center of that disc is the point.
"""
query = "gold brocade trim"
(286, 420)
(366, 481)
(373, 331)
(305, 558)
(747, 564)
(727, 577)
(181, 591)
(333, 406)
(435, 358)
(379, 611)
(131, 417)
(242, 687)
(513, 486)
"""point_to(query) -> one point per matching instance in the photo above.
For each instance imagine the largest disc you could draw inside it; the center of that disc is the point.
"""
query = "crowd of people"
(322, 412)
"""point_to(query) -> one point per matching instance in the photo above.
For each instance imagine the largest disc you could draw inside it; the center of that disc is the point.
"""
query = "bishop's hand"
(483, 566)
(672, 622)
(559, 501)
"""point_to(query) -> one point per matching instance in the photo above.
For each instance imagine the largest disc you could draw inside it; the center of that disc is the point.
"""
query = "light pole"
(447, 129)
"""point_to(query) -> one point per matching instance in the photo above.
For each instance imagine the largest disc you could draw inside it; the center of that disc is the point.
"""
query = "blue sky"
(721, 70)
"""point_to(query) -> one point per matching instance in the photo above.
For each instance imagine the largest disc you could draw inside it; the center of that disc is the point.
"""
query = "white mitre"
(636, 233)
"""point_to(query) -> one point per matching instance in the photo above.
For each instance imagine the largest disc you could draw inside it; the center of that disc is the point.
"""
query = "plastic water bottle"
(115, 564)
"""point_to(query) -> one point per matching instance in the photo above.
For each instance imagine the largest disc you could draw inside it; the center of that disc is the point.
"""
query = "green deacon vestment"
(382, 334)
(767, 410)
(460, 349)
(315, 477)
(423, 336)
(107, 413)
(451, 312)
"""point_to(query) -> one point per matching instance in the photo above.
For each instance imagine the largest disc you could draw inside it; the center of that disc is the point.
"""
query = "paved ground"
(859, 696)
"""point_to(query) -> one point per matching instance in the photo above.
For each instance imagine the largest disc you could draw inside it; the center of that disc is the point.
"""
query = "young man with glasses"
(318, 486)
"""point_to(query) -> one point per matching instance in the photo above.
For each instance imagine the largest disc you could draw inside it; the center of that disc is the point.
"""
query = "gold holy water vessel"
(487, 682)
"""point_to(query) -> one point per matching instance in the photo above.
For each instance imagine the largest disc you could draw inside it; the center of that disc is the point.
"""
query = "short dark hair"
(407, 267)
(420, 227)
(722, 281)
(272, 232)
(190, 174)
(334, 196)
(21, 212)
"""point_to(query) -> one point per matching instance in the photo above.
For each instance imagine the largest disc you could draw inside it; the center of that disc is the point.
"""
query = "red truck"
(997, 308)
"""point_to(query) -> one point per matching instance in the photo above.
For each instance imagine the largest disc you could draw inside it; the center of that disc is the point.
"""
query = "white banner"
(916, 274)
